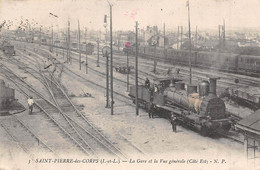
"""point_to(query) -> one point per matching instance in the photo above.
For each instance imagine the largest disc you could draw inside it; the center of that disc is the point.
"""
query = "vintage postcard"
(129, 84)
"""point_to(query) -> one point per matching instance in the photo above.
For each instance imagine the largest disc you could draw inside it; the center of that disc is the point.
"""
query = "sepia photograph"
(129, 84)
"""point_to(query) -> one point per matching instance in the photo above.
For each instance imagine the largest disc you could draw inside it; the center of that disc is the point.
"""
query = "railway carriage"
(249, 63)
(220, 61)
(225, 61)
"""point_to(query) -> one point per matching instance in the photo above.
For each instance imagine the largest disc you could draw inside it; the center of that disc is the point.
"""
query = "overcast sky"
(204, 13)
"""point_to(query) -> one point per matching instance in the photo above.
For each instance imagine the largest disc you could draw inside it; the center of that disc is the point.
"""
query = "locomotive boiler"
(204, 103)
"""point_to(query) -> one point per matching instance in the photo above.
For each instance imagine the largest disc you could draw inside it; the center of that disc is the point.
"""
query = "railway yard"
(70, 119)
(129, 85)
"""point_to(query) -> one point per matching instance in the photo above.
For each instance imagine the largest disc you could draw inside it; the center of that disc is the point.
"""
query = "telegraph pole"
(86, 51)
(51, 38)
(164, 36)
(219, 37)
(79, 47)
(181, 38)
(70, 61)
(164, 52)
(97, 51)
(224, 33)
(107, 68)
(111, 60)
(40, 35)
(63, 51)
(155, 61)
(107, 81)
(178, 38)
(128, 72)
(188, 4)
(119, 36)
(67, 41)
(136, 69)
(196, 39)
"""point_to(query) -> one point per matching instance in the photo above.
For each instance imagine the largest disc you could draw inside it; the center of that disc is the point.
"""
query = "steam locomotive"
(203, 111)
(230, 62)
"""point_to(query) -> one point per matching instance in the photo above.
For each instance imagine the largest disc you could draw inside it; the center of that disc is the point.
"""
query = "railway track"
(44, 106)
(78, 77)
(80, 126)
(154, 76)
(59, 123)
(126, 142)
(227, 79)
(201, 74)
(231, 137)
(24, 136)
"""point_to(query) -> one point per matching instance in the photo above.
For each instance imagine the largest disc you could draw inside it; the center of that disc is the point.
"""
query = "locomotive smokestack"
(213, 86)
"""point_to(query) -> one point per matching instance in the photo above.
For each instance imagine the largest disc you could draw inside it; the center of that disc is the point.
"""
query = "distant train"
(203, 111)
(73, 46)
(230, 62)
(83, 47)
(7, 48)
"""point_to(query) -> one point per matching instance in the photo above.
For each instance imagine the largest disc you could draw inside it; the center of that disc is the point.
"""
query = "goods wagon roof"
(164, 78)
(252, 91)
(220, 54)
(249, 56)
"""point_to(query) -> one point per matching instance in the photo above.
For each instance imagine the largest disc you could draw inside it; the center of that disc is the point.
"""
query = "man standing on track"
(30, 104)
(174, 122)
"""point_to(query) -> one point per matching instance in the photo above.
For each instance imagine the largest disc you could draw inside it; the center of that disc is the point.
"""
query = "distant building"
(149, 32)
(160, 41)
(124, 37)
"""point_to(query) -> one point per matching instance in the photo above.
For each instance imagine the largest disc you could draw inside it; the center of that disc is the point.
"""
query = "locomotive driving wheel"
(205, 131)
(227, 127)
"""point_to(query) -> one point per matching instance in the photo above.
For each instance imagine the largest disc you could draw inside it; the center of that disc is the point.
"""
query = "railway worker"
(150, 109)
(174, 122)
(161, 87)
(155, 88)
(147, 83)
(30, 104)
